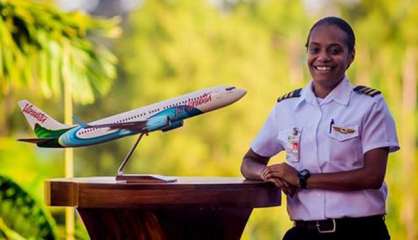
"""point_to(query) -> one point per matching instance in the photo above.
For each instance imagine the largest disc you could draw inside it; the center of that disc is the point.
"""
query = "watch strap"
(303, 178)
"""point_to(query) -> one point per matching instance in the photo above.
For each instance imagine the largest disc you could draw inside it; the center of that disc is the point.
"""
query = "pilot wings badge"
(343, 130)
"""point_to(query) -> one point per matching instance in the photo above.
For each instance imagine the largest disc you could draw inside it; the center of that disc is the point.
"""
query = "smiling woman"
(330, 48)
(336, 137)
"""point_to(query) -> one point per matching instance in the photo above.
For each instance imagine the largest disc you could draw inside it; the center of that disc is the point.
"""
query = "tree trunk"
(69, 154)
(409, 98)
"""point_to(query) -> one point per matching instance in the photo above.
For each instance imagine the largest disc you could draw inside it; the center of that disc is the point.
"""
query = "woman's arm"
(370, 176)
(253, 165)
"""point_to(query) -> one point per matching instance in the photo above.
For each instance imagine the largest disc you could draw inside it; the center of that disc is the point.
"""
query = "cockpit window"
(229, 88)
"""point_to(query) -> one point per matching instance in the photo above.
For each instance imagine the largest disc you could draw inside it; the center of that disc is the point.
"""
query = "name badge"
(294, 144)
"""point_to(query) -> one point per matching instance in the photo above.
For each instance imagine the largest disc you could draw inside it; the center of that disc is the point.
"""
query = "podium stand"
(190, 208)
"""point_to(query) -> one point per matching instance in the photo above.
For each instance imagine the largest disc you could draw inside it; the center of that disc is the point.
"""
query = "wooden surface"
(102, 192)
(190, 208)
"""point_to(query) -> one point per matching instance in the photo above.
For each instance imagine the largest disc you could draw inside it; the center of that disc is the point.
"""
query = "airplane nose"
(240, 92)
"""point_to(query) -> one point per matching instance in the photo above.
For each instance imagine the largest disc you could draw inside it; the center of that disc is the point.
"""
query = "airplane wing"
(133, 126)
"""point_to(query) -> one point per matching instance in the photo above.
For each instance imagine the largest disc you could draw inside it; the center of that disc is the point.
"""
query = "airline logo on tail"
(28, 108)
(35, 116)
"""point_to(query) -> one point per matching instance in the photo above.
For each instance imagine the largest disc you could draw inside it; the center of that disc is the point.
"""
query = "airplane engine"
(172, 125)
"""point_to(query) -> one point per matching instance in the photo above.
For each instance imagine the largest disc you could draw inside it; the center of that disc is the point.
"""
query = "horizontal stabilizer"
(35, 140)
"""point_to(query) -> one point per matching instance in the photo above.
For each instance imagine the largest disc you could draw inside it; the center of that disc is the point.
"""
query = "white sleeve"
(379, 128)
(266, 142)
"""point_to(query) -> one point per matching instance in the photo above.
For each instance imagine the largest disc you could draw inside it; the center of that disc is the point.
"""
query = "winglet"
(78, 121)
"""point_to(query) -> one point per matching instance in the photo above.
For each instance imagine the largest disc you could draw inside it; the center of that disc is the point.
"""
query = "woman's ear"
(351, 58)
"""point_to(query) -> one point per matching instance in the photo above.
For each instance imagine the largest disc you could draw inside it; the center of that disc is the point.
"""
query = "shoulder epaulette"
(292, 94)
(366, 90)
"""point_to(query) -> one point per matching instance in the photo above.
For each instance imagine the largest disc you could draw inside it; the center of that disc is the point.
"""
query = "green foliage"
(20, 215)
(7, 233)
(40, 46)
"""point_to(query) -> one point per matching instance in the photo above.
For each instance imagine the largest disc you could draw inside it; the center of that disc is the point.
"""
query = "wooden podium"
(190, 208)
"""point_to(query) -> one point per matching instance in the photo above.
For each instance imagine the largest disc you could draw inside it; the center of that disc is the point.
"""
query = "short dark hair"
(341, 24)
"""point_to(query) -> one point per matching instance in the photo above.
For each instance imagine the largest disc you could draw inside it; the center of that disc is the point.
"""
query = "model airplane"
(166, 115)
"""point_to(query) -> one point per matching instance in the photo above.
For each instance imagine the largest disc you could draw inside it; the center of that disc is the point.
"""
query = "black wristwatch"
(303, 178)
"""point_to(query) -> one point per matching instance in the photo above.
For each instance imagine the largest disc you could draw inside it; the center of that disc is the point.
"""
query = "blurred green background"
(120, 55)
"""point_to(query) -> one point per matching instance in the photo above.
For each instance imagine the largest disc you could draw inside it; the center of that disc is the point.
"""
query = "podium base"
(145, 178)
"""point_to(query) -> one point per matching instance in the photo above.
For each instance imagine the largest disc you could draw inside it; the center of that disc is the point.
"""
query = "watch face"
(303, 177)
(305, 173)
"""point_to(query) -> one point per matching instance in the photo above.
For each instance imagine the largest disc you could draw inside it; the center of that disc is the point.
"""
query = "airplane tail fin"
(35, 117)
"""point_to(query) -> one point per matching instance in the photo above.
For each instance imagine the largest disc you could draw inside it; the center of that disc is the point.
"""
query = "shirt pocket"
(345, 147)
(343, 133)
(290, 138)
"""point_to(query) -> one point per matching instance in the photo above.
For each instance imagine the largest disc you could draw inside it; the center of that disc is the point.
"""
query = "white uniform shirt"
(332, 136)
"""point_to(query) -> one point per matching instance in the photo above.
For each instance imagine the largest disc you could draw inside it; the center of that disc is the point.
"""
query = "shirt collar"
(341, 93)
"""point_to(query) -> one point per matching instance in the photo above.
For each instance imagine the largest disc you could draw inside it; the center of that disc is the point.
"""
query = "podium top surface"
(106, 192)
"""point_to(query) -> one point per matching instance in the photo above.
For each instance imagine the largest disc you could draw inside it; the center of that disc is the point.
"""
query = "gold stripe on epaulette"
(366, 91)
(292, 94)
(360, 88)
(369, 90)
(372, 93)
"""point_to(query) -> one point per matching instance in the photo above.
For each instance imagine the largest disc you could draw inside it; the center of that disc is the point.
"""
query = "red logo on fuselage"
(200, 100)
(37, 115)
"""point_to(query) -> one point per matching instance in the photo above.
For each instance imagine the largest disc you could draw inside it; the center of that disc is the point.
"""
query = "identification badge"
(294, 144)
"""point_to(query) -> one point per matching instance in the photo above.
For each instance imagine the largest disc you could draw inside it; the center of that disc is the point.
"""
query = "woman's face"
(328, 55)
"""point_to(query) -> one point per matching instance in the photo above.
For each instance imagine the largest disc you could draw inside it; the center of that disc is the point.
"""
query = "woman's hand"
(255, 167)
(283, 176)
(284, 172)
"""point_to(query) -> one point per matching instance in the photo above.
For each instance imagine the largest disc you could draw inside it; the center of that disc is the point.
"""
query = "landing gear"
(139, 178)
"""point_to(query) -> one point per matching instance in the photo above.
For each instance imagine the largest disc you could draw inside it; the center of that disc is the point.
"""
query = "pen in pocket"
(330, 125)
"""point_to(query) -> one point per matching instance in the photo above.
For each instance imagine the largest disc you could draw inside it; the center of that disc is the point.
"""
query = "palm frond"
(20, 213)
(40, 45)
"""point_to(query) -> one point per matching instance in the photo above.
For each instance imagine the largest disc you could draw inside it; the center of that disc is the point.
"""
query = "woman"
(337, 138)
